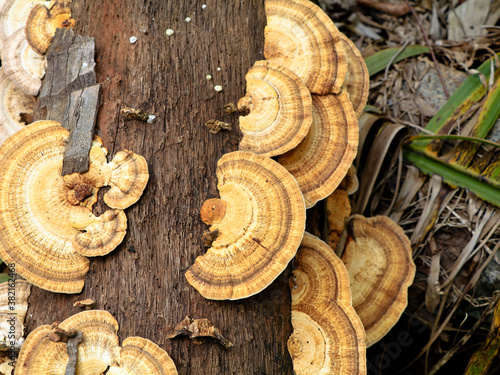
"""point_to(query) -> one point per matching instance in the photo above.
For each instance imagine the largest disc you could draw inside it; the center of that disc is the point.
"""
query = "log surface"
(142, 282)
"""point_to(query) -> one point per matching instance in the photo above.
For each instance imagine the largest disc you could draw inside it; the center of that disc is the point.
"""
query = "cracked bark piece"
(301, 37)
(278, 107)
(260, 217)
(320, 162)
(98, 352)
(328, 337)
(194, 328)
(378, 258)
(46, 220)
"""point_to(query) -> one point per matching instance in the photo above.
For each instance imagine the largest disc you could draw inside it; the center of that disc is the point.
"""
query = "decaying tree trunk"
(142, 282)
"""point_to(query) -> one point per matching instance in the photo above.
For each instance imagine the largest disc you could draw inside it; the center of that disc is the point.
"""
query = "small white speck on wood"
(218, 88)
(169, 32)
(187, 19)
(209, 77)
(133, 39)
(151, 119)
(203, 6)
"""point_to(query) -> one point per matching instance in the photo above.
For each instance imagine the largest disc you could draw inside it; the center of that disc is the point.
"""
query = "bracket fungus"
(42, 23)
(260, 218)
(13, 16)
(12, 314)
(328, 337)
(279, 110)
(378, 258)
(322, 159)
(24, 66)
(98, 352)
(13, 102)
(46, 222)
(300, 36)
(357, 78)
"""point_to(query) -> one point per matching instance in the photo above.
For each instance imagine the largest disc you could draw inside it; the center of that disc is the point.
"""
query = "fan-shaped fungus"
(322, 159)
(379, 261)
(24, 66)
(13, 16)
(12, 313)
(300, 36)
(99, 352)
(13, 102)
(328, 337)
(42, 23)
(279, 110)
(260, 218)
(357, 78)
(46, 221)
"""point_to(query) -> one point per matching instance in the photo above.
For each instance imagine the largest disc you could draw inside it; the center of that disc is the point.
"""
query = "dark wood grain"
(142, 282)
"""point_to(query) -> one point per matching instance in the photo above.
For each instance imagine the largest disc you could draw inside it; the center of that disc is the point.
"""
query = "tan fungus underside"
(328, 337)
(380, 266)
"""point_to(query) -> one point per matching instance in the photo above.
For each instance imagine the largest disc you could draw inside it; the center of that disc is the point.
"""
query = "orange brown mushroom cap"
(328, 337)
(260, 218)
(300, 36)
(46, 221)
(322, 159)
(24, 67)
(357, 79)
(98, 351)
(13, 15)
(13, 102)
(378, 258)
(279, 110)
(42, 23)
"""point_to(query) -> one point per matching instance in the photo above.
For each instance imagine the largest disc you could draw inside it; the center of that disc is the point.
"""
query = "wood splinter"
(194, 328)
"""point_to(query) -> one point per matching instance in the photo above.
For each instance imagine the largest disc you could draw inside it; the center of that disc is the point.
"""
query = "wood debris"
(215, 126)
(194, 328)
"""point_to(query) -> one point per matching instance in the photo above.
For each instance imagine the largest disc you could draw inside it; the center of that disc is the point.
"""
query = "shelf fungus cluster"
(47, 227)
(328, 337)
(378, 258)
(99, 352)
(303, 101)
(12, 314)
(26, 30)
(259, 219)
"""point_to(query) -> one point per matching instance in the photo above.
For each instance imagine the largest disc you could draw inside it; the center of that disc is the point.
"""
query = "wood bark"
(70, 95)
(142, 282)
